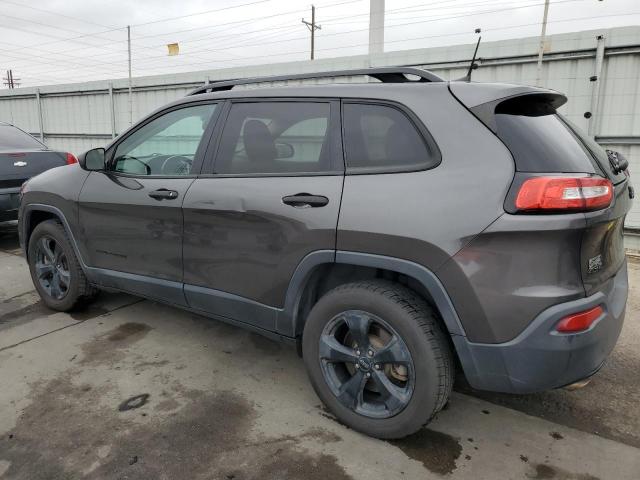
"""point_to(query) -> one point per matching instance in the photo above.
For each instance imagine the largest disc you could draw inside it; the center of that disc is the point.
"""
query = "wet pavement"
(133, 389)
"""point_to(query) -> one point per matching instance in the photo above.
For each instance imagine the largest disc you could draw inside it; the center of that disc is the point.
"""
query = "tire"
(78, 291)
(429, 372)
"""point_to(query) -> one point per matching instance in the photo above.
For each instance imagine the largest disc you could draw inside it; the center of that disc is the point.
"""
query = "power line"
(206, 38)
(170, 19)
(98, 63)
(20, 47)
(389, 14)
(420, 38)
(147, 23)
(51, 12)
(388, 27)
(182, 65)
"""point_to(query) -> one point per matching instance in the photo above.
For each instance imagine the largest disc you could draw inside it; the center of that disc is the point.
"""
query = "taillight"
(564, 193)
(579, 322)
(71, 159)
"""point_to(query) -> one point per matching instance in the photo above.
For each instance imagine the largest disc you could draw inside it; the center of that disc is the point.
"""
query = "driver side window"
(166, 145)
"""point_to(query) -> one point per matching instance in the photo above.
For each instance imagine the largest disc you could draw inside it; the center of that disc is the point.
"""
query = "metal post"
(130, 93)
(312, 27)
(313, 30)
(40, 122)
(376, 26)
(595, 79)
(112, 109)
(542, 40)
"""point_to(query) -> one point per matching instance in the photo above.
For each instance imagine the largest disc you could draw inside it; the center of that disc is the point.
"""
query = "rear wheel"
(55, 270)
(377, 358)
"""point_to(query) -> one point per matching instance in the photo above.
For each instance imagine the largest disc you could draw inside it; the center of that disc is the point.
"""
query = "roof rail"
(384, 74)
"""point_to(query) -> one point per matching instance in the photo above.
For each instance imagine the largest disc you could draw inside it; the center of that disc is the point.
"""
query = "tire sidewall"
(424, 398)
(55, 230)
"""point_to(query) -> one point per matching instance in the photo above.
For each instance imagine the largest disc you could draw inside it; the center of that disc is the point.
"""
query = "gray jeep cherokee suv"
(391, 229)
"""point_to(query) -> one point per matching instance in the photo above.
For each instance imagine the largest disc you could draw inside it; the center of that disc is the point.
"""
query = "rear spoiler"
(484, 100)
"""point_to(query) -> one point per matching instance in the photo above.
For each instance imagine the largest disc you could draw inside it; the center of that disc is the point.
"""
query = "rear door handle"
(164, 194)
(305, 200)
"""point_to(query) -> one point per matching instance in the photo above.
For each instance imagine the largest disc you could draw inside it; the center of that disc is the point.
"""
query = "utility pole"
(312, 27)
(130, 93)
(9, 81)
(376, 26)
(542, 40)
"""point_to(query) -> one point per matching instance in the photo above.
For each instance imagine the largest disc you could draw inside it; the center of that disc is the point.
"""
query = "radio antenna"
(473, 65)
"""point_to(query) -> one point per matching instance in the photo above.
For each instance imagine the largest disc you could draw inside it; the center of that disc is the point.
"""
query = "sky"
(64, 41)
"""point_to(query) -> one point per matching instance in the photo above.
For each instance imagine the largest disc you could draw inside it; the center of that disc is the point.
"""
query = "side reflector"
(71, 159)
(579, 322)
(564, 193)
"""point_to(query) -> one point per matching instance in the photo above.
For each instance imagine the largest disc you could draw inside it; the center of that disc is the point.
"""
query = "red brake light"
(564, 193)
(71, 159)
(579, 322)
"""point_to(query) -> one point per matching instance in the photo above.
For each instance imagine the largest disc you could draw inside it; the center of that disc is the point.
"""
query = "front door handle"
(305, 200)
(163, 194)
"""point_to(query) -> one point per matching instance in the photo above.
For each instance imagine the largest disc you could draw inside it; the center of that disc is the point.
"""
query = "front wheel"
(55, 270)
(377, 358)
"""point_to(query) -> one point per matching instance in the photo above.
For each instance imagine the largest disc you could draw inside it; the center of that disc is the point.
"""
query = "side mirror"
(285, 150)
(93, 160)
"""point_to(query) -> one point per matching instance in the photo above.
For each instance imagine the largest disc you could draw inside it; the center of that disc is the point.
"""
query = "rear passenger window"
(382, 137)
(275, 137)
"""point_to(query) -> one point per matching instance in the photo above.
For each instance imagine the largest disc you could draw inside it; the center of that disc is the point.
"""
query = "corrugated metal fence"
(598, 70)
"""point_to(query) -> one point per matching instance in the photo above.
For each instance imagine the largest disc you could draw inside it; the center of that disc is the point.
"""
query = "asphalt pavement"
(133, 389)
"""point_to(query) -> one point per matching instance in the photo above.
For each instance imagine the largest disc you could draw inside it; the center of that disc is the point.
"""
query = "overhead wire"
(146, 67)
(426, 37)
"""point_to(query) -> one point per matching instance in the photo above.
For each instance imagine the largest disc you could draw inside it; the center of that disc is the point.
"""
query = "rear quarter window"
(383, 138)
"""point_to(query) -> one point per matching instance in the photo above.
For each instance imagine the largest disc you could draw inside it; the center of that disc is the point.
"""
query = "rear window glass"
(379, 136)
(541, 142)
(14, 138)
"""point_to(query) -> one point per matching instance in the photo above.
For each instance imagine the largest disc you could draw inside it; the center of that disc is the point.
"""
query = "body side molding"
(228, 305)
(165, 291)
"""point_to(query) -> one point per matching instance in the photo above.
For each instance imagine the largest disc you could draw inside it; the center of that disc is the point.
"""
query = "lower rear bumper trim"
(541, 359)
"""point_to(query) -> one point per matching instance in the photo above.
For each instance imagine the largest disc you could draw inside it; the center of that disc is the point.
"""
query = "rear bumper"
(9, 203)
(541, 359)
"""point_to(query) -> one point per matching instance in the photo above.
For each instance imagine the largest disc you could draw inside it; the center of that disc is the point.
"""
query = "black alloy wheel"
(55, 270)
(366, 364)
(377, 357)
(52, 267)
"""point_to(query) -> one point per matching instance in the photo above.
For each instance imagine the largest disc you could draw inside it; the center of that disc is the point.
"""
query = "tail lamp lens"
(564, 193)
(71, 159)
(579, 322)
